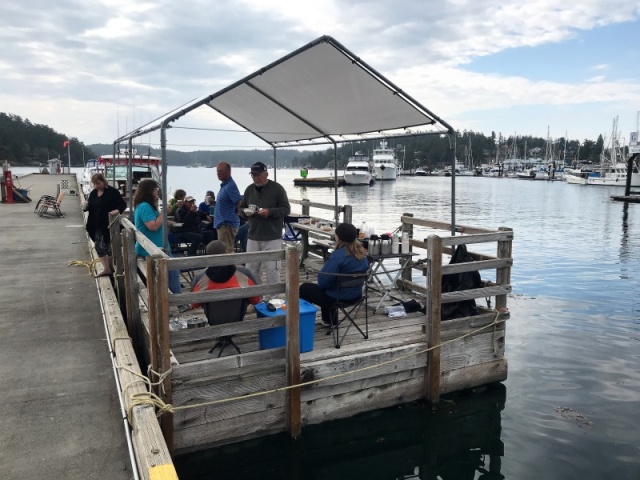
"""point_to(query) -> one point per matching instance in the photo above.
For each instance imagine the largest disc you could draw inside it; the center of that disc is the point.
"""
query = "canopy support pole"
(163, 192)
(130, 175)
(335, 181)
(275, 164)
(452, 148)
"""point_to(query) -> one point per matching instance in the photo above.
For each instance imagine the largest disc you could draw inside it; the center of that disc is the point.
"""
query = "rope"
(81, 263)
(154, 400)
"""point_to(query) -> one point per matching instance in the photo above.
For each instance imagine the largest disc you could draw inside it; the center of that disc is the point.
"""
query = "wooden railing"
(433, 269)
(151, 332)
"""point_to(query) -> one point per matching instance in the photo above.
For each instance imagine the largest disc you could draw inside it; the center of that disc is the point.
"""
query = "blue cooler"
(276, 337)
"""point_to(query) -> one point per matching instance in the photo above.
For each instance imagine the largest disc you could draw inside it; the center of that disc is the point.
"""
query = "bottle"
(395, 244)
(405, 242)
(363, 230)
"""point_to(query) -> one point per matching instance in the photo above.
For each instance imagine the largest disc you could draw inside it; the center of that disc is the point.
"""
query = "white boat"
(385, 165)
(612, 171)
(143, 166)
(359, 170)
(420, 173)
(578, 176)
(613, 176)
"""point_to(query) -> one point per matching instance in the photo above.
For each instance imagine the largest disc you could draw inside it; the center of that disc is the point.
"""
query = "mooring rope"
(148, 398)
(82, 263)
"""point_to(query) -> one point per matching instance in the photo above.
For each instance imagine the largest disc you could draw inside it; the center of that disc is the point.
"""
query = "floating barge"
(208, 401)
(318, 182)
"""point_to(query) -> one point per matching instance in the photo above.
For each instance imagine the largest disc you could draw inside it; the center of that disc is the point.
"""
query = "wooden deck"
(214, 401)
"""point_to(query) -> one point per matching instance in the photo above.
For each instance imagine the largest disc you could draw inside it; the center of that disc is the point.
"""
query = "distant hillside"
(26, 143)
(237, 158)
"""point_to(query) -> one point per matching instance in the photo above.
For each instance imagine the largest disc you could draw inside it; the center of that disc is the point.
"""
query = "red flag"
(66, 142)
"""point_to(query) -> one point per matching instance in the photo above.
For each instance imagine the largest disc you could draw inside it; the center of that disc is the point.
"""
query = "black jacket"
(99, 208)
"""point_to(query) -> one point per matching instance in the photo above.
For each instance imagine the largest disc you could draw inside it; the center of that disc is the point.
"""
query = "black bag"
(460, 281)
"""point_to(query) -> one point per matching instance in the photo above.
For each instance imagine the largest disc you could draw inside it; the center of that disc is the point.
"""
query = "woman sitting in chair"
(349, 257)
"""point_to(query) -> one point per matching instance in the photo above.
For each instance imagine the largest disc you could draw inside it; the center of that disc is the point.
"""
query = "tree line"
(26, 143)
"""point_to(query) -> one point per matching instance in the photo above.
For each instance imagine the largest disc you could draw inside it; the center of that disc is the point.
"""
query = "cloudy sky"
(95, 69)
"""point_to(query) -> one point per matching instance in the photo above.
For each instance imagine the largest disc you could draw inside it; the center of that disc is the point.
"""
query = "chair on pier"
(47, 202)
(225, 311)
(347, 310)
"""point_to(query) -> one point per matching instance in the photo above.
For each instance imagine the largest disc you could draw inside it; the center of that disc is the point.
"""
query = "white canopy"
(319, 94)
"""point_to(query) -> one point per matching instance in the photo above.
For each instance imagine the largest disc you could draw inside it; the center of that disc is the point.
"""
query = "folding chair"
(47, 202)
(347, 310)
(225, 311)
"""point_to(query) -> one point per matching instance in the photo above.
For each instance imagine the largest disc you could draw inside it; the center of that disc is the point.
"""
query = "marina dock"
(60, 415)
(317, 182)
(204, 400)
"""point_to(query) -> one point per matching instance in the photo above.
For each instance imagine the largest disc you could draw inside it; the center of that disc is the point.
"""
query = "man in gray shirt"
(266, 223)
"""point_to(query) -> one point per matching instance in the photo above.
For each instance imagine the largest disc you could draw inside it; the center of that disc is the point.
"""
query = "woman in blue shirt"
(148, 221)
(349, 256)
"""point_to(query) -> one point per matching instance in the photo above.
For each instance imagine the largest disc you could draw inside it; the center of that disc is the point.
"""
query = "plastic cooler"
(276, 337)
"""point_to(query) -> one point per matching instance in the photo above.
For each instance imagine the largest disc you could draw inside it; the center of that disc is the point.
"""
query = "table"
(378, 271)
(324, 242)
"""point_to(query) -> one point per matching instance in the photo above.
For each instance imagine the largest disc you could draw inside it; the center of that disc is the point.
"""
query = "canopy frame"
(397, 116)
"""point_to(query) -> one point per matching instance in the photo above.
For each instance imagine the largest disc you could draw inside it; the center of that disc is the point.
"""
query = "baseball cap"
(189, 198)
(258, 167)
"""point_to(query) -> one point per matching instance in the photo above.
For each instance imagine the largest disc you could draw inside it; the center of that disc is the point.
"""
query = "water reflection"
(462, 441)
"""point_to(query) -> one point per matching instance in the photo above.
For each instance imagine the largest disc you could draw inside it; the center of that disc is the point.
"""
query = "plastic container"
(276, 337)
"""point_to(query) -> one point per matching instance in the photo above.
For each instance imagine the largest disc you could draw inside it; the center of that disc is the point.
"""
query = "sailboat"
(613, 168)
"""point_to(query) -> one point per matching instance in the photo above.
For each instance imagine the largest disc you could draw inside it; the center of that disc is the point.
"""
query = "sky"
(95, 70)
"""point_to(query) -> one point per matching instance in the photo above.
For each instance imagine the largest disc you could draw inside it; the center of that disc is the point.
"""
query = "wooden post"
(293, 407)
(503, 275)
(305, 207)
(162, 325)
(347, 215)
(131, 283)
(432, 380)
(153, 330)
(116, 251)
(407, 227)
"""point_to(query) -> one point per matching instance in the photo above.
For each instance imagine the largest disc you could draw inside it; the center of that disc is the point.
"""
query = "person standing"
(225, 217)
(265, 224)
(102, 201)
(148, 221)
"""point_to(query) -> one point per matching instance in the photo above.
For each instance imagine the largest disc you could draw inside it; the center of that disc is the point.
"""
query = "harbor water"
(570, 408)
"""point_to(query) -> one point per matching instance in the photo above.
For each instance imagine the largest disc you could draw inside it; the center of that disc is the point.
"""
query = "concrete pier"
(59, 410)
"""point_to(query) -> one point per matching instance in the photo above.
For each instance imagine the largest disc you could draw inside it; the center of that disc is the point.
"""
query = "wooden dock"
(58, 399)
(209, 401)
(317, 182)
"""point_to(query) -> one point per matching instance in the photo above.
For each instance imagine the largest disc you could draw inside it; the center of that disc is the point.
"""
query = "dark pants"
(312, 293)
(193, 239)
(208, 236)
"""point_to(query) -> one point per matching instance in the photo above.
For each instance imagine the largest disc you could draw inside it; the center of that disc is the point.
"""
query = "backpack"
(454, 282)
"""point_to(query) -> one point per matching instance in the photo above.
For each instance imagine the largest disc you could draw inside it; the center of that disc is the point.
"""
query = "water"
(571, 405)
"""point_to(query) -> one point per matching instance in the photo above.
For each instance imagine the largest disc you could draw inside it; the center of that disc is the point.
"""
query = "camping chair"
(290, 233)
(347, 310)
(47, 202)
